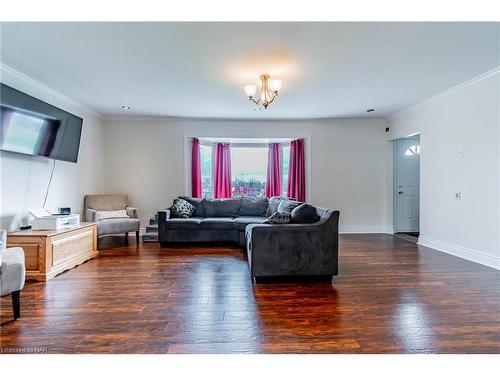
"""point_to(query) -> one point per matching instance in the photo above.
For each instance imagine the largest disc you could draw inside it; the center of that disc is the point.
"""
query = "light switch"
(460, 153)
(458, 195)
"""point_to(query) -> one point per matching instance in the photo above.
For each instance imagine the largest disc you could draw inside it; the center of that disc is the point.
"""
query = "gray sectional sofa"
(273, 249)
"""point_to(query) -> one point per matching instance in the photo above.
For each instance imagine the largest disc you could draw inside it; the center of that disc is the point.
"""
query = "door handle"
(400, 192)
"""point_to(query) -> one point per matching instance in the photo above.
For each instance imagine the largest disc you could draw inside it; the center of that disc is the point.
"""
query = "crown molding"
(445, 93)
(8, 71)
(124, 118)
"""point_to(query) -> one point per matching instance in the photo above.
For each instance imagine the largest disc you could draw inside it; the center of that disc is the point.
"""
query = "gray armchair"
(12, 273)
(112, 202)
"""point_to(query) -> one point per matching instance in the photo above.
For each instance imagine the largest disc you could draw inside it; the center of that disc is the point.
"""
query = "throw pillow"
(278, 218)
(288, 205)
(199, 209)
(304, 214)
(118, 214)
(274, 202)
(182, 208)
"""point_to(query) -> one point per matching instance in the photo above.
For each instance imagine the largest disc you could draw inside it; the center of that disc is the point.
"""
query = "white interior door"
(406, 184)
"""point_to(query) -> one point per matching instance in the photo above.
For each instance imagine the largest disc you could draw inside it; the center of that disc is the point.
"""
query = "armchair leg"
(137, 237)
(126, 236)
(16, 304)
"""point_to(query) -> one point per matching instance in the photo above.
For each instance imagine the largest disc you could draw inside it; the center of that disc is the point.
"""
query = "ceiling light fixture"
(268, 91)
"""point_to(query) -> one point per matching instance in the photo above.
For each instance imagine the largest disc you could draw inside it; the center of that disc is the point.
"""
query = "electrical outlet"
(460, 153)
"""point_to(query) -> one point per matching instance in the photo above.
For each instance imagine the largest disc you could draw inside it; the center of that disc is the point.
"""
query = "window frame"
(210, 140)
(246, 145)
(212, 149)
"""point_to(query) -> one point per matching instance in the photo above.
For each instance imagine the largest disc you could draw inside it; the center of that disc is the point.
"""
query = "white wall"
(145, 158)
(464, 118)
(24, 178)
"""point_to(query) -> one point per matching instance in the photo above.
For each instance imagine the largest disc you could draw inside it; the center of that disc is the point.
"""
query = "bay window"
(249, 158)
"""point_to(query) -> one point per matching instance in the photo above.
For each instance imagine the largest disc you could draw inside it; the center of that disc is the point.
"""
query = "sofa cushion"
(288, 206)
(251, 206)
(198, 205)
(279, 218)
(304, 214)
(192, 223)
(217, 223)
(241, 222)
(111, 226)
(182, 208)
(273, 204)
(222, 207)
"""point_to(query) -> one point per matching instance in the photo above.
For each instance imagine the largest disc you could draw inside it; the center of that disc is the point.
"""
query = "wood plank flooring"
(390, 297)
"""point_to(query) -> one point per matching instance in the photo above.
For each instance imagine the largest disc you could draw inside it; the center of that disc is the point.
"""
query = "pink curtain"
(222, 171)
(296, 173)
(273, 184)
(196, 191)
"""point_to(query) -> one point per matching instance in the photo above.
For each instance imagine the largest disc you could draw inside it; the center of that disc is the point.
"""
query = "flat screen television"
(33, 127)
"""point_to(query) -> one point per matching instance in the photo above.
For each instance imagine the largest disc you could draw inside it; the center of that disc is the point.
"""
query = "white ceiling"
(199, 69)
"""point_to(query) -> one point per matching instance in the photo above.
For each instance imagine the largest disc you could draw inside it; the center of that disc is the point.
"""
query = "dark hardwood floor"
(390, 297)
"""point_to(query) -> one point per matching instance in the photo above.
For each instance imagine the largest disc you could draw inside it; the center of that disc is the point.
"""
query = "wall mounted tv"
(31, 126)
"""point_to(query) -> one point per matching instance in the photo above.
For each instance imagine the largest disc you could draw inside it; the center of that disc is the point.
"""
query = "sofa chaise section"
(287, 250)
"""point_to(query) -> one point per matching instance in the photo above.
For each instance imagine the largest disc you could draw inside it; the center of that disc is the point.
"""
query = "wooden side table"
(50, 252)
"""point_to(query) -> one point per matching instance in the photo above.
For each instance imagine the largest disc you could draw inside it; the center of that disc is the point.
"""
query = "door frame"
(395, 177)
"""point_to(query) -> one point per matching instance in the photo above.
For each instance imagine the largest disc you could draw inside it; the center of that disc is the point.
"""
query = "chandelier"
(268, 91)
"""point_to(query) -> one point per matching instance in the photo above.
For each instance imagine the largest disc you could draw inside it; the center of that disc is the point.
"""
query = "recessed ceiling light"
(125, 107)
(370, 110)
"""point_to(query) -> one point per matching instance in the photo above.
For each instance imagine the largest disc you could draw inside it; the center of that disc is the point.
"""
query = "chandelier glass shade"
(269, 90)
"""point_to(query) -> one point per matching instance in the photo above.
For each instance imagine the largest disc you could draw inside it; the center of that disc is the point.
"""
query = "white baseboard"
(461, 252)
(388, 230)
(364, 229)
